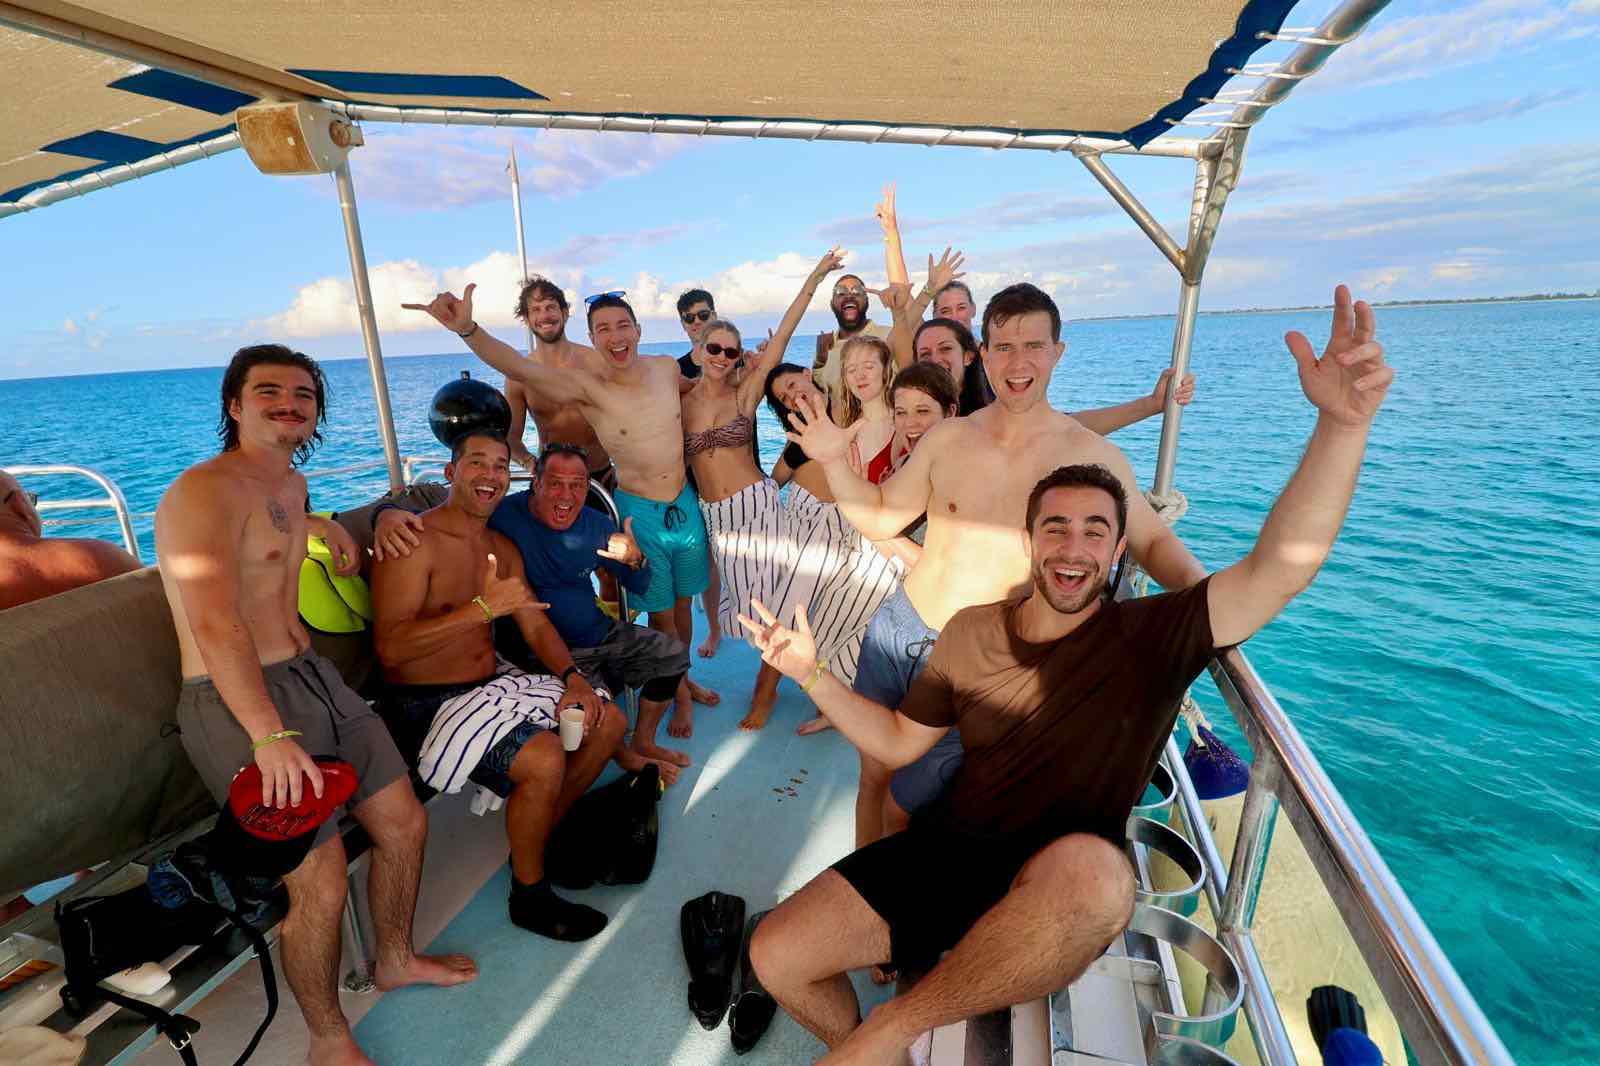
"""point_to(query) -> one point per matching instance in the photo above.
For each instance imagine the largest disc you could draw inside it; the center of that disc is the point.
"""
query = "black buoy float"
(468, 406)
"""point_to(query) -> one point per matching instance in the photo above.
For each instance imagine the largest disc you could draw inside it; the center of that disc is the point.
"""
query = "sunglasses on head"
(696, 316)
(732, 351)
(617, 293)
(31, 497)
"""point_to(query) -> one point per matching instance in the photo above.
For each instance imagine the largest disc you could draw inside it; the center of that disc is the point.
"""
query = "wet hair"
(600, 303)
(722, 325)
(541, 288)
(1020, 299)
(555, 448)
(691, 297)
(930, 378)
(972, 394)
(233, 380)
(1080, 475)
(880, 348)
(459, 445)
(953, 285)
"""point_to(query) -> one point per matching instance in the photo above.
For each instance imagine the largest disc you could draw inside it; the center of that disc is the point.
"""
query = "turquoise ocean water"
(1440, 667)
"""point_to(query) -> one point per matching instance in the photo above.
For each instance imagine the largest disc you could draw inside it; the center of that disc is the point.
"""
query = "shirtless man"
(1066, 697)
(434, 632)
(230, 536)
(543, 306)
(971, 476)
(632, 403)
(33, 566)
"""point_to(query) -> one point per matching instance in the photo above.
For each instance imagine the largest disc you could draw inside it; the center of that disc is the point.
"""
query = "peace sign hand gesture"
(1348, 383)
(450, 312)
(884, 210)
(817, 434)
(791, 652)
(622, 548)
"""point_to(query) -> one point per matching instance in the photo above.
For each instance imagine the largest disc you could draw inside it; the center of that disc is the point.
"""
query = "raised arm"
(894, 259)
(874, 729)
(455, 314)
(879, 512)
(770, 354)
(909, 311)
(1107, 420)
(1347, 385)
(199, 527)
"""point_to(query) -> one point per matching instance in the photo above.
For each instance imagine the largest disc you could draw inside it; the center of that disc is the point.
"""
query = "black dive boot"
(753, 1008)
(713, 931)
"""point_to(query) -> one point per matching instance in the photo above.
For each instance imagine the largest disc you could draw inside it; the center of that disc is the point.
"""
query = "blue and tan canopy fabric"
(1113, 68)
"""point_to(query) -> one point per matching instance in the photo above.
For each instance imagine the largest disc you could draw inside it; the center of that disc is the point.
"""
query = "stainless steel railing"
(113, 500)
(1441, 1021)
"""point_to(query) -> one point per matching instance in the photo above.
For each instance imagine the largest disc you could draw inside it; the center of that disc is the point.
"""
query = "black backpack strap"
(269, 982)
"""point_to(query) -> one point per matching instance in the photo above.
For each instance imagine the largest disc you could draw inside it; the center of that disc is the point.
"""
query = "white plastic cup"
(572, 728)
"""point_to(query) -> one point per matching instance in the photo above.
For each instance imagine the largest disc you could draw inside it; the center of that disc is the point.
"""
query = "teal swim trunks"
(673, 538)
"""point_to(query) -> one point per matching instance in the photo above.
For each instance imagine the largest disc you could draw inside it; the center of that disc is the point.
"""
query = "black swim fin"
(753, 1007)
(1330, 1007)
(713, 932)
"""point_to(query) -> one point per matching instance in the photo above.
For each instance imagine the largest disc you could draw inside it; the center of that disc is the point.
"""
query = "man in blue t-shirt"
(562, 544)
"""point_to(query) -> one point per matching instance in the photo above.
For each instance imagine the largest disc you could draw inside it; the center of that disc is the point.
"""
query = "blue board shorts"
(673, 537)
(894, 650)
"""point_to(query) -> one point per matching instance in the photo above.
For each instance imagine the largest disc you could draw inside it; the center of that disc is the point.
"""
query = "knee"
(318, 885)
(1094, 877)
(540, 766)
(404, 822)
(768, 954)
(613, 724)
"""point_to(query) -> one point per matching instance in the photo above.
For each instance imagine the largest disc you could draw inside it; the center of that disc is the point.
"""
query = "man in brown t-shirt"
(1063, 699)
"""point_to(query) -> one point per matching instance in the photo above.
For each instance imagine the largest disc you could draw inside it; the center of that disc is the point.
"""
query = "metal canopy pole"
(369, 322)
(522, 245)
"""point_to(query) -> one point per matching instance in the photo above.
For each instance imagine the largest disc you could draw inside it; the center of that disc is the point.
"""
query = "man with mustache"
(462, 717)
(230, 536)
(850, 305)
(632, 403)
(543, 306)
(1064, 698)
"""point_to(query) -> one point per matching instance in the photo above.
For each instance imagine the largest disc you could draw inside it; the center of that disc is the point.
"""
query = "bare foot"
(813, 726)
(760, 710)
(633, 762)
(653, 752)
(701, 694)
(427, 970)
(713, 638)
(681, 724)
(340, 1050)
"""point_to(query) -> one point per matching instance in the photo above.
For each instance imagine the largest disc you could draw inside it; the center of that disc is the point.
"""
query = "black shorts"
(930, 884)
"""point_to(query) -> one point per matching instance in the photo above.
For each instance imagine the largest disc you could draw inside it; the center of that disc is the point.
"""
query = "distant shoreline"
(1553, 297)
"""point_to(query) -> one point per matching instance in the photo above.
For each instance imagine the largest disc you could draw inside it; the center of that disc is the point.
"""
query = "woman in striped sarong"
(743, 513)
(840, 577)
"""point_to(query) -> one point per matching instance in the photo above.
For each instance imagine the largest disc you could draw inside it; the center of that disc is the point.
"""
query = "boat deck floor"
(757, 815)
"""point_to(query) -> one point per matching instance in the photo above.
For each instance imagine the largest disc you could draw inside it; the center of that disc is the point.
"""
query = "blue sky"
(1451, 151)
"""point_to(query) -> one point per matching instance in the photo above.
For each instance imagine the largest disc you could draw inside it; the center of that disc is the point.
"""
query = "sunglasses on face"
(858, 293)
(730, 350)
(691, 317)
(618, 293)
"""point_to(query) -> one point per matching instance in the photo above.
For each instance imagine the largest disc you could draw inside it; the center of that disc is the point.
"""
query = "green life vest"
(330, 603)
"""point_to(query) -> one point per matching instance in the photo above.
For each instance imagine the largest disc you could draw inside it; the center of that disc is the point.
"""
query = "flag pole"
(522, 246)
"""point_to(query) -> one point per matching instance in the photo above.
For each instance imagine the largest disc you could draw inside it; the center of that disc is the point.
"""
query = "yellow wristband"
(481, 602)
(272, 738)
(816, 675)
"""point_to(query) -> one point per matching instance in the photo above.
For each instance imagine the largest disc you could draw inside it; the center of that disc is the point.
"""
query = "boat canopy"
(1116, 70)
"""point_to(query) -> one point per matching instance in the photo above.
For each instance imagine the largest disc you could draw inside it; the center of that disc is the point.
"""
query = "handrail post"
(369, 322)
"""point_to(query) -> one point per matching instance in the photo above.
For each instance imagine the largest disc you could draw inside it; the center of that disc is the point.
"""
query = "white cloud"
(1379, 282)
(70, 328)
(439, 167)
(1417, 46)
